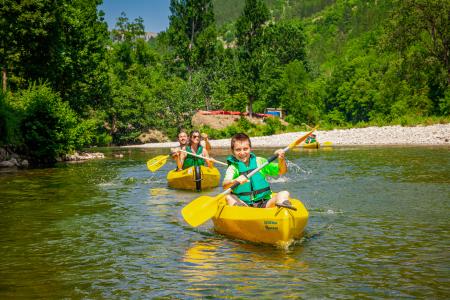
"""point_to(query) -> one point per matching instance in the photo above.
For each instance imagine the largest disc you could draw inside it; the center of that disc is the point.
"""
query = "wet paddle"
(204, 208)
(157, 162)
(160, 160)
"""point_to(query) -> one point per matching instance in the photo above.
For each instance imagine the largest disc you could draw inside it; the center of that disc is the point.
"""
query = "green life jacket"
(310, 140)
(257, 188)
(191, 161)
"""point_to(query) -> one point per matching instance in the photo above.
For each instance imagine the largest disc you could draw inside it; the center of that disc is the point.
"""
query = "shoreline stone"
(438, 134)
(83, 156)
(9, 159)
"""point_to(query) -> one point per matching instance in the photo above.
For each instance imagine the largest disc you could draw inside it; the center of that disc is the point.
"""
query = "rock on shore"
(438, 134)
(9, 159)
(83, 156)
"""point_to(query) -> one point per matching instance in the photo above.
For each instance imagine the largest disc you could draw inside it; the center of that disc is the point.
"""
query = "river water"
(110, 229)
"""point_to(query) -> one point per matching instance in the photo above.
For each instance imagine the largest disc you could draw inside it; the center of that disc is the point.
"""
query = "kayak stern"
(263, 225)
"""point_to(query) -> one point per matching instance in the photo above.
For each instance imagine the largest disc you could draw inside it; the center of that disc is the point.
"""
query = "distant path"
(438, 134)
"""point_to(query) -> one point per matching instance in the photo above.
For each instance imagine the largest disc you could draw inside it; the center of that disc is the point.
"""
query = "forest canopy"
(68, 82)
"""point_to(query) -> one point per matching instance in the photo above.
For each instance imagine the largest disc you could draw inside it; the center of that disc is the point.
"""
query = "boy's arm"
(273, 169)
(281, 162)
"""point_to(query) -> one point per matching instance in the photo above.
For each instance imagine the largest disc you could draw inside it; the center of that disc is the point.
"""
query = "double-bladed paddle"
(203, 208)
(157, 162)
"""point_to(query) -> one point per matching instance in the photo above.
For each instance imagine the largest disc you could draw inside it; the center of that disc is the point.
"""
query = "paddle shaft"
(271, 159)
(207, 158)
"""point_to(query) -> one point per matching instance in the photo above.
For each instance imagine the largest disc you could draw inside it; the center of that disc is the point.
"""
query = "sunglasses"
(195, 136)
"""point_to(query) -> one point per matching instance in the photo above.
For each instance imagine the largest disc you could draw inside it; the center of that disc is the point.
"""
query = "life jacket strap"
(254, 193)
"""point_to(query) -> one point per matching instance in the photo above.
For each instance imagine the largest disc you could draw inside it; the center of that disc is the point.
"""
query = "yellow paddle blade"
(327, 144)
(157, 162)
(201, 210)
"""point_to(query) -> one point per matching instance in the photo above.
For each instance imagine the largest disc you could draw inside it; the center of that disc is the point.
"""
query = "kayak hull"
(189, 179)
(276, 225)
(314, 145)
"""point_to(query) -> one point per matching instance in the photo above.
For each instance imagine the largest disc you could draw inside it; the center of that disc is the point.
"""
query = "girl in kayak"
(185, 161)
(253, 192)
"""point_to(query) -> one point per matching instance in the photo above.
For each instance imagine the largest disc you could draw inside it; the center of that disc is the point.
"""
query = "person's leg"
(233, 200)
(280, 198)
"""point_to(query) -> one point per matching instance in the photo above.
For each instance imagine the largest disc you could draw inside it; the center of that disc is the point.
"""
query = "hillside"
(229, 10)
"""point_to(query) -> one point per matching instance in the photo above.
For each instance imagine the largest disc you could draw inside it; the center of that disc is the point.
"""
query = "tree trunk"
(250, 105)
(4, 79)
(190, 63)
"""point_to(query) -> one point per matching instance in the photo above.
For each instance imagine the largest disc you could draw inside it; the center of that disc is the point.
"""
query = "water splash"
(296, 169)
(326, 211)
(281, 179)
(106, 184)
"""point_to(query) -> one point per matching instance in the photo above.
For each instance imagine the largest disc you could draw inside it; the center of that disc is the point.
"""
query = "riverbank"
(10, 159)
(438, 134)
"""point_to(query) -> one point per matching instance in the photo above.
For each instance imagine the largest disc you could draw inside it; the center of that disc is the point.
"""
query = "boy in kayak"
(185, 161)
(183, 141)
(311, 139)
(253, 192)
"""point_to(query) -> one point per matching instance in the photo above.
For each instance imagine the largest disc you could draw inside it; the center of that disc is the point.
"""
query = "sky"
(154, 12)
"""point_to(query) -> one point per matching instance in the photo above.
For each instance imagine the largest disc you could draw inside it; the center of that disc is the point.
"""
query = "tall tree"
(28, 34)
(192, 33)
(426, 22)
(420, 31)
(249, 34)
(62, 42)
(284, 43)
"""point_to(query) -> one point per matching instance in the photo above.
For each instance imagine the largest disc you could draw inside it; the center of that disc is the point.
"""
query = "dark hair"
(192, 133)
(241, 137)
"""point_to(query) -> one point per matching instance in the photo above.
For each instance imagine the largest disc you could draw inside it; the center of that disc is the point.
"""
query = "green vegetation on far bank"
(68, 83)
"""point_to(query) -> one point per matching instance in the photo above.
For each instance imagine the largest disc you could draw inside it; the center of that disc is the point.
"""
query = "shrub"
(9, 122)
(273, 125)
(49, 126)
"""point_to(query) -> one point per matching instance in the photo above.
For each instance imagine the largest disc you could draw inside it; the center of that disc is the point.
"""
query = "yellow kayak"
(264, 225)
(313, 145)
(194, 178)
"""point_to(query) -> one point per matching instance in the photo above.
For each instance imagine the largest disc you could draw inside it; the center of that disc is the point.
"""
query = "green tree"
(126, 31)
(60, 42)
(419, 30)
(249, 34)
(28, 34)
(192, 33)
(284, 43)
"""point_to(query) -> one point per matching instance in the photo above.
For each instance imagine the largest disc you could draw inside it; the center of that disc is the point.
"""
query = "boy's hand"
(241, 179)
(175, 151)
(280, 153)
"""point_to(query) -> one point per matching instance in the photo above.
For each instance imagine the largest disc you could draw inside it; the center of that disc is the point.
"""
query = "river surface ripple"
(378, 228)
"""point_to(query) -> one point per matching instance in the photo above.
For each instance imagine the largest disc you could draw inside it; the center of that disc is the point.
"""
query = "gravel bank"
(438, 134)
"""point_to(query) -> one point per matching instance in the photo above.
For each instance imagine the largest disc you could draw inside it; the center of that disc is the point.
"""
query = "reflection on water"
(211, 261)
(378, 228)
